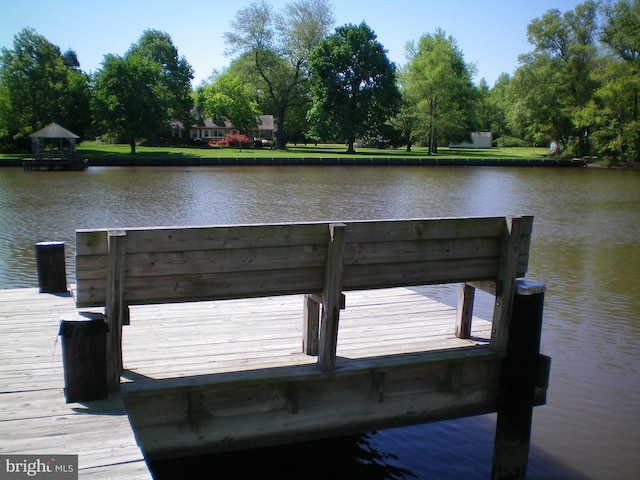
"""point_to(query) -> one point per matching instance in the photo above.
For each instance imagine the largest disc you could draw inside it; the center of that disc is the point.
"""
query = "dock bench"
(320, 261)
(135, 266)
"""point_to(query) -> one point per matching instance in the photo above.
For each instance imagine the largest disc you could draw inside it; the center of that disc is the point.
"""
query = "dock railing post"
(332, 298)
(518, 382)
(115, 307)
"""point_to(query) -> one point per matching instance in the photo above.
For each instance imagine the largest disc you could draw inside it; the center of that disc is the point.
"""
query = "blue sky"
(491, 34)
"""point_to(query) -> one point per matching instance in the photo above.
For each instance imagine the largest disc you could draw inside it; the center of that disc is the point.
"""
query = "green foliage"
(128, 98)
(279, 45)
(175, 76)
(39, 85)
(229, 98)
(135, 96)
(509, 142)
(439, 89)
(353, 84)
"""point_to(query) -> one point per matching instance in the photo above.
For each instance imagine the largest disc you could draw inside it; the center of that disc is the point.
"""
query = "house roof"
(265, 122)
(53, 130)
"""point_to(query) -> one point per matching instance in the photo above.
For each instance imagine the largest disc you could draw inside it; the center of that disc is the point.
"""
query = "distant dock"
(31, 164)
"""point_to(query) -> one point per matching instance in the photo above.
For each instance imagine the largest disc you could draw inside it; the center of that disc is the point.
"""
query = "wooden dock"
(172, 351)
(34, 416)
(195, 340)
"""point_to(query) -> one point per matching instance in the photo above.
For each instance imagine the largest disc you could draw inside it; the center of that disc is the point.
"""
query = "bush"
(236, 140)
(509, 142)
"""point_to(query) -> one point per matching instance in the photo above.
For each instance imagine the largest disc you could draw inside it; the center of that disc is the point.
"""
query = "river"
(585, 248)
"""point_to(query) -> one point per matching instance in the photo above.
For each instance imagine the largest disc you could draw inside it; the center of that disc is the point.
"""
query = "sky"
(490, 34)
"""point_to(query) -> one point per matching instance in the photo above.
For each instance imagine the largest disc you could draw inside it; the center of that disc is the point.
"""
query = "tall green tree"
(406, 122)
(175, 75)
(439, 84)
(129, 98)
(498, 106)
(229, 98)
(40, 85)
(621, 34)
(279, 45)
(353, 83)
(556, 81)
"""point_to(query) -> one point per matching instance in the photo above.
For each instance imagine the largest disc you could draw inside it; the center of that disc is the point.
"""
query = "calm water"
(586, 248)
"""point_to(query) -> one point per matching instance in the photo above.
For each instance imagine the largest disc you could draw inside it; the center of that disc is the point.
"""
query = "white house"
(210, 130)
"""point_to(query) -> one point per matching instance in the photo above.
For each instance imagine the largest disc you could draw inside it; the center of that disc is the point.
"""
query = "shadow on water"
(457, 449)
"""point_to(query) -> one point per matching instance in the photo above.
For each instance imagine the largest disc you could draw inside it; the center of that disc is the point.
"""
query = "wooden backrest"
(178, 264)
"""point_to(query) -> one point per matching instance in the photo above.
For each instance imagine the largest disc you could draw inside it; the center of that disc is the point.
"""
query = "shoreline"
(325, 161)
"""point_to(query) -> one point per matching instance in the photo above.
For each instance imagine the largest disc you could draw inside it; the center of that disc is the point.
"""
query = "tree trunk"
(280, 111)
(350, 148)
(132, 144)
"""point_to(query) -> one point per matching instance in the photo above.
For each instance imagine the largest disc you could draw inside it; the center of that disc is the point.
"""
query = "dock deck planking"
(34, 416)
(175, 340)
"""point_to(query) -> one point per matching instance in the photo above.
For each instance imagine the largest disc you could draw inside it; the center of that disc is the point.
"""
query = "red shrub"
(236, 140)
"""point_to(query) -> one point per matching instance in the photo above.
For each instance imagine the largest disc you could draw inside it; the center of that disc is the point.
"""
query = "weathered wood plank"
(505, 283)
(34, 416)
(213, 262)
(115, 306)
(466, 294)
(419, 273)
(332, 291)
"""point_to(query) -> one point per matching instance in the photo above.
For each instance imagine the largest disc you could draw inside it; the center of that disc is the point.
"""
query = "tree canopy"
(232, 99)
(279, 45)
(40, 85)
(136, 95)
(353, 84)
(438, 84)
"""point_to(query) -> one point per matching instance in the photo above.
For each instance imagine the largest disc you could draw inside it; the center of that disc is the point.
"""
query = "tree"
(280, 45)
(498, 106)
(621, 33)
(353, 83)
(406, 121)
(136, 96)
(129, 100)
(438, 82)
(39, 85)
(555, 81)
(230, 99)
(175, 76)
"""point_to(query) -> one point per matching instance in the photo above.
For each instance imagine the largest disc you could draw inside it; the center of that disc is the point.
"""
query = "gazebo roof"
(53, 130)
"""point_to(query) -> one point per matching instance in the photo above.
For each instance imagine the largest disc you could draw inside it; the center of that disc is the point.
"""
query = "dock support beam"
(332, 297)
(115, 308)
(518, 379)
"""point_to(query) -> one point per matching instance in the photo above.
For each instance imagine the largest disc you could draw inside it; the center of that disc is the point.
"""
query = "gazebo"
(63, 154)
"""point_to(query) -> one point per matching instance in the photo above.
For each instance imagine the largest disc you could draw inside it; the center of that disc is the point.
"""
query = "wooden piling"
(517, 383)
(52, 276)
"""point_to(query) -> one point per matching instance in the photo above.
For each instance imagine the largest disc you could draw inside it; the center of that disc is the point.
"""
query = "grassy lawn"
(96, 149)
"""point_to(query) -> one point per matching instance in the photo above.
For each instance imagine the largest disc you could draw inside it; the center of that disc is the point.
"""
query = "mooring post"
(518, 381)
(52, 274)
